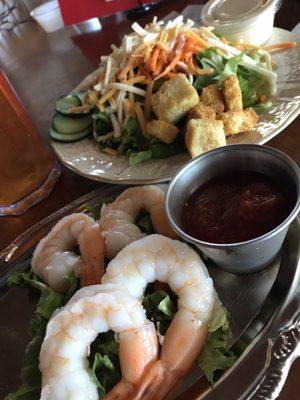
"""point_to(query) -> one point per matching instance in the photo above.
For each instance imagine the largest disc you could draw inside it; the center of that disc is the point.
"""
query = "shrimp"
(118, 218)
(54, 257)
(93, 310)
(156, 257)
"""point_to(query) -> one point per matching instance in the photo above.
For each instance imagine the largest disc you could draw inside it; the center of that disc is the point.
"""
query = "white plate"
(86, 159)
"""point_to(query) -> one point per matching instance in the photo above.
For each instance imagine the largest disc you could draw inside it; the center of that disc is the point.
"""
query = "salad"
(129, 109)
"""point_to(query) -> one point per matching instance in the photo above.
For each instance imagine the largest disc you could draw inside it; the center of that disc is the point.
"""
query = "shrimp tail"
(151, 383)
(92, 248)
(184, 333)
(121, 391)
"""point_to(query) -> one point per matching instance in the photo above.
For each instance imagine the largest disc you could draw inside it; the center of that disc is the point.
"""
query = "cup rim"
(38, 11)
(229, 148)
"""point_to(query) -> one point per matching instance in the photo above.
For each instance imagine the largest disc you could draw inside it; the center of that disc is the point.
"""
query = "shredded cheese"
(115, 124)
(128, 88)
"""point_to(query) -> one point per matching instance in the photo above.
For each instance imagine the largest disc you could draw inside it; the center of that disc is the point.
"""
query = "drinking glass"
(28, 169)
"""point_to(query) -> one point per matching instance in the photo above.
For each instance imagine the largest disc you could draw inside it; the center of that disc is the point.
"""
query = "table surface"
(41, 67)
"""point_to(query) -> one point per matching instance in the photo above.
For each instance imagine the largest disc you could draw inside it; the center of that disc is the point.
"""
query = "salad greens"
(48, 301)
(252, 84)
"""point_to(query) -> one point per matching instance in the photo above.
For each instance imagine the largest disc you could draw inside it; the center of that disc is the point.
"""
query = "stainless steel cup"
(243, 257)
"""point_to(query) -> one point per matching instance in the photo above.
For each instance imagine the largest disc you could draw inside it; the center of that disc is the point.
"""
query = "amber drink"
(28, 169)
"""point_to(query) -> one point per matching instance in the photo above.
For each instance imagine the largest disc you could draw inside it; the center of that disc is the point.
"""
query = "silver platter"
(264, 309)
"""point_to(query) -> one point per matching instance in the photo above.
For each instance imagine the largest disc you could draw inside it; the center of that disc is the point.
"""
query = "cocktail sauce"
(236, 207)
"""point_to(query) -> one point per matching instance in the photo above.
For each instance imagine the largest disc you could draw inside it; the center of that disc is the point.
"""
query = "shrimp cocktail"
(131, 308)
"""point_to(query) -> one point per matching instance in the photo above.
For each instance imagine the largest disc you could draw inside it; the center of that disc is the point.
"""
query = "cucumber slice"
(63, 137)
(65, 103)
(70, 125)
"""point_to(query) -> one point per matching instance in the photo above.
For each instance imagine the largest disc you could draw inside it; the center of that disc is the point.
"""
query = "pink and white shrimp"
(54, 257)
(118, 218)
(156, 257)
(64, 354)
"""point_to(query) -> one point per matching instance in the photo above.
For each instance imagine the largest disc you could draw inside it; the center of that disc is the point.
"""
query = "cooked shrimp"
(93, 310)
(156, 257)
(54, 257)
(118, 218)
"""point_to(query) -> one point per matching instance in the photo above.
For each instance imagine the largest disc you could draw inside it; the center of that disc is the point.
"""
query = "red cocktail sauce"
(236, 207)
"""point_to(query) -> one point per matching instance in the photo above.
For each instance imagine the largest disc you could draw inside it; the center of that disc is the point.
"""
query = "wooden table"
(42, 67)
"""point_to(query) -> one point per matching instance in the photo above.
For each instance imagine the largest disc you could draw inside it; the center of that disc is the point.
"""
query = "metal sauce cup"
(251, 255)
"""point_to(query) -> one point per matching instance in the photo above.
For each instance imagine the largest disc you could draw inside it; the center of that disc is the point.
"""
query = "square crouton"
(162, 130)
(232, 93)
(211, 96)
(203, 135)
(174, 99)
(201, 111)
(239, 121)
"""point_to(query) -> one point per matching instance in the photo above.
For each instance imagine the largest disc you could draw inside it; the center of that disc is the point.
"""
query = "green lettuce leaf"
(216, 354)
(204, 80)
(161, 150)
(261, 108)
(138, 157)
(160, 308)
(249, 94)
(231, 65)
(47, 302)
(104, 362)
(144, 222)
(132, 137)
(102, 123)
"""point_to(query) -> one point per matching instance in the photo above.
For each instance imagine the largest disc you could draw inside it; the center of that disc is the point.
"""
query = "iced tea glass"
(28, 169)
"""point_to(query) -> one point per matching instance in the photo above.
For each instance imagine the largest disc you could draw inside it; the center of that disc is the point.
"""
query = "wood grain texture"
(41, 67)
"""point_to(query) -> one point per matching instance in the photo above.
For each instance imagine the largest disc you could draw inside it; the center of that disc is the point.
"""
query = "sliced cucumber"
(64, 137)
(70, 125)
(65, 103)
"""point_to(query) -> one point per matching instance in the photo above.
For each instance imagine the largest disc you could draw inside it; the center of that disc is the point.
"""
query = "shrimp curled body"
(93, 310)
(54, 257)
(118, 218)
(156, 257)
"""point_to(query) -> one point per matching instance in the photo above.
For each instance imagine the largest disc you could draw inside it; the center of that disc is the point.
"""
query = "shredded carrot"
(224, 40)
(141, 119)
(281, 46)
(262, 98)
(188, 55)
(154, 59)
(197, 49)
(199, 39)
(170, 75)
(158, 68)
(164, 56)
(172, 65)
(143, 71)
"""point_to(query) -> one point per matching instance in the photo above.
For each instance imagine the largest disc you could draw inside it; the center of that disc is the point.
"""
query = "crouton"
(232, 93)
(211, 96)
(174, 99)
(162, 130)
(239, 121)
(201, 111)
(203, 135)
